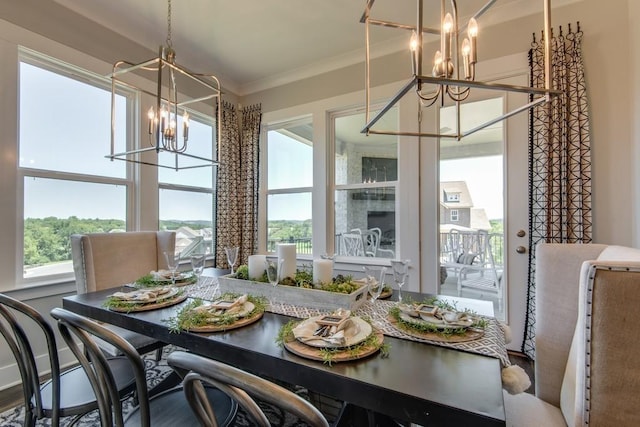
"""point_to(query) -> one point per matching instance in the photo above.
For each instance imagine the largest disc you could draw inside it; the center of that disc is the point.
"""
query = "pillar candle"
(287, 252)
(256, 266)
(322, 270)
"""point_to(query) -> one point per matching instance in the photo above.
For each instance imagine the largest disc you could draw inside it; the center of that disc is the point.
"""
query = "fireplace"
(386, 222)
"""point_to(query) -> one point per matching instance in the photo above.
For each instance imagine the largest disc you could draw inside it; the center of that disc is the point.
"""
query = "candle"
(256, 266)
(287, 252)
(322, 270)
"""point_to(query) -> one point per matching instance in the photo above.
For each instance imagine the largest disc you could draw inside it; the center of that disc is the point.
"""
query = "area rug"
(156, 372)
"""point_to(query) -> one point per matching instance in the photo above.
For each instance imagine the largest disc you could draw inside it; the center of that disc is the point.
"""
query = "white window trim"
(70, 71)
(264, 182)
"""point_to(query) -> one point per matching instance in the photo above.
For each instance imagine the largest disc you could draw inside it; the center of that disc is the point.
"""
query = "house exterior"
(457, 209)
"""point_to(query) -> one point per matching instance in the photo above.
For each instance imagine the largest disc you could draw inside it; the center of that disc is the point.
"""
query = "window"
(454, 214)
(186, 196)
(68, 186)
(453, 197)
(366, 179)
(289, 183)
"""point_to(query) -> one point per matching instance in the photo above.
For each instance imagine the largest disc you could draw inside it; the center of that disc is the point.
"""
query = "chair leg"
(159, 354)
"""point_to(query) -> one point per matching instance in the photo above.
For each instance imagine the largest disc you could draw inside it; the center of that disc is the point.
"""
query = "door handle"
(521, 249)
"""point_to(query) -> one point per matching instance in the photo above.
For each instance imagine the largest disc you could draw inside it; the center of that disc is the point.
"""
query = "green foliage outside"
(289, 229)
(47, 240)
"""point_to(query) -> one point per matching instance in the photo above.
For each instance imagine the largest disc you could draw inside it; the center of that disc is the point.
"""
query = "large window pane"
(289, 220)
(190, 215)
(290, 156)
(200, 143)
(361, 159)
(65, 124)
(366, 177)
(368, 213)
(472, 206)
(54, 209)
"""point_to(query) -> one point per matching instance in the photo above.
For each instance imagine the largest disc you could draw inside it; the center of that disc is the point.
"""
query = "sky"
(64, 128)
(74, 136)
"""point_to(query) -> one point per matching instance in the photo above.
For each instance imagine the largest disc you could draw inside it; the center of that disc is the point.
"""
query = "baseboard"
(10, 375)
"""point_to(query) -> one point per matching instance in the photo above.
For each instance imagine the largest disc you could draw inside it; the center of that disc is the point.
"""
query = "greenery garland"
(187, 318)
(304, 279)
(285, 335)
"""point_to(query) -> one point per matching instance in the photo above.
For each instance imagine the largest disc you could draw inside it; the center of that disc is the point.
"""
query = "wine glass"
(374, 277)
(232, 256)
(173, 260)
(197, 265)
(274, 270)
(400, 270)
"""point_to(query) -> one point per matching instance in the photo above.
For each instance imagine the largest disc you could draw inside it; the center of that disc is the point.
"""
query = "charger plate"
(468, 335)
(242, 320)
(175, 296)
(182, 279)
(343, 354)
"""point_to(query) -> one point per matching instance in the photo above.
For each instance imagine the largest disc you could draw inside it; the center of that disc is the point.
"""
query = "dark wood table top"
(421, 383)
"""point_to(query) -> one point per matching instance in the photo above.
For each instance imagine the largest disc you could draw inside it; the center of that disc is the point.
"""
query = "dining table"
(416, 382)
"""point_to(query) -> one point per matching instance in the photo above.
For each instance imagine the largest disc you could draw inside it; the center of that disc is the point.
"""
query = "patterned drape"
(559, 158)
(237, 183)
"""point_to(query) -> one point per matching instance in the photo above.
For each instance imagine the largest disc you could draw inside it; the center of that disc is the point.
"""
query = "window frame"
(334, 188)
(78, 74)
(454, 215)
(265, 192)
(195, 115)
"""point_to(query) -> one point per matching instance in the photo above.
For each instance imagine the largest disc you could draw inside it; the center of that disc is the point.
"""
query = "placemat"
(491, 344)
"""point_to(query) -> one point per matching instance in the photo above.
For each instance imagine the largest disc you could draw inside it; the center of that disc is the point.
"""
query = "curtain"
(559, 158)
(237, 183)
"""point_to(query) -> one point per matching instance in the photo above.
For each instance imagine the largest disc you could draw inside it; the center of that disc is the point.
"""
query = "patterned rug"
(156, 372)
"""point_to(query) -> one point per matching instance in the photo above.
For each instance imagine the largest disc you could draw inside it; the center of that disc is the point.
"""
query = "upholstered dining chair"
(242, 386)
(107, 260)
(165, 409)
(67, 393)
(587, 370)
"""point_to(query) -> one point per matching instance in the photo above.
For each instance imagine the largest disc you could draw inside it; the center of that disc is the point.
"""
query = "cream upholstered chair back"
(106, 260)
(587, 326)
(557, 277)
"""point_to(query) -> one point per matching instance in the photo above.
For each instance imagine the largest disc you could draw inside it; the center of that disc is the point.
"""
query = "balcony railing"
(303, 244)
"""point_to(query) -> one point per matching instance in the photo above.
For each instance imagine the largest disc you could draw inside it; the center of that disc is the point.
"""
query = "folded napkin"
(312, 333)
(142, 295)
(237, 307)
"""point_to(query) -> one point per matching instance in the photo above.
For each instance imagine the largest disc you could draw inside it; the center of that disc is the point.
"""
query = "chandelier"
(167, 120)
(453, 70)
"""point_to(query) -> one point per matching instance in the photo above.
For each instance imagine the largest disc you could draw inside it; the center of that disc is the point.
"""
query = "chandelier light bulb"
(413, 43)
(447, 24)
(472, 28)
(466, 47)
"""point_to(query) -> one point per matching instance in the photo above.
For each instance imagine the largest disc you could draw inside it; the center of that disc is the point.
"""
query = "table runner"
(491, 344)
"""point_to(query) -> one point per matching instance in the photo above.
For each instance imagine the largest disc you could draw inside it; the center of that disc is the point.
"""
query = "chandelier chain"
(169, 24)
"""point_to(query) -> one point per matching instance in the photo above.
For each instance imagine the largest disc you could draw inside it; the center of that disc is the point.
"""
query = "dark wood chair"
(241, 386)
(168, 408)
(67, 393)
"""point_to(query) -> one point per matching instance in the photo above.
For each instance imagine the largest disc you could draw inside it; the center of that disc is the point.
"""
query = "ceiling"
(252, 45)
